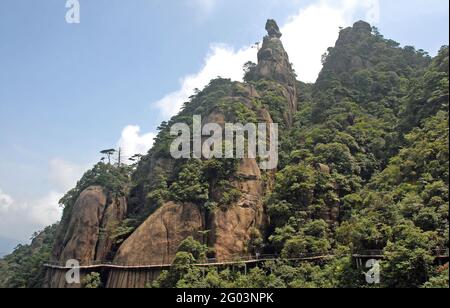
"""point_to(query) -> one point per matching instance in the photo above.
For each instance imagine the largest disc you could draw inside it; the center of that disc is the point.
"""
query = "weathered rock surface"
(81, 238)
(230, 229)
(274, 64)
(273, 29)
(112, 217)
(87, 237)
(156, 242)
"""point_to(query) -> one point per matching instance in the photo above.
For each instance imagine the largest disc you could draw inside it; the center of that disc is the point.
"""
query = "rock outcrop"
(230, 229)
(157, 239)
(272, 29)
(156, 242)
(112, 217)
(273, 64)
(351, 53)
(86, 238)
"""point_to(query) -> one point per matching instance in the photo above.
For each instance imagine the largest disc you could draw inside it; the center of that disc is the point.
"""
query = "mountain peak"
(272, 29)
(273, 61)
(362, 26)
(274, 65)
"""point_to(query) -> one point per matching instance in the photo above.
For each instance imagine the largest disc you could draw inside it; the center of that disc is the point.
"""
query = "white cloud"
(46, 211)
(370, 9)
(132, 142)
(63, 174)
(5, 202)
(306, 36)
(20, 219)
(222, 60)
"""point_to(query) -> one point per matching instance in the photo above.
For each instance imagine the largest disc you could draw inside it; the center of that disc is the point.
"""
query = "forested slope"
(364, 165)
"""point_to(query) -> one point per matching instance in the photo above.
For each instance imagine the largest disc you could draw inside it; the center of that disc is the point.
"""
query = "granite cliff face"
(157, 239)
(231, 229)
(156, 242)
(363, 166)
(274, 65)
(87, 238)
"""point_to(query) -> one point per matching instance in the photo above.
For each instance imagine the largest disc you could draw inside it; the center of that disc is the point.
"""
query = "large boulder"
(81, 238)
(112, 217)
(87, 236)
(156, 242)
(273, 29)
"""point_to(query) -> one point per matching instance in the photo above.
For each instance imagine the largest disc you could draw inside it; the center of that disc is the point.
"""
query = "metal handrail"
(210, 261)
(232, 260)
(378, 252)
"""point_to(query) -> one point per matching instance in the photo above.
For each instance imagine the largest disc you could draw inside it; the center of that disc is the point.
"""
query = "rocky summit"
(363, 170)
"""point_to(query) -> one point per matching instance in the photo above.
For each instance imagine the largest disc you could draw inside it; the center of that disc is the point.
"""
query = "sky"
(68, 91)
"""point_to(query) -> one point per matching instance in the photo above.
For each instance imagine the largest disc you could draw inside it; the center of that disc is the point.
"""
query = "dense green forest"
(370, 141)
(364, 166)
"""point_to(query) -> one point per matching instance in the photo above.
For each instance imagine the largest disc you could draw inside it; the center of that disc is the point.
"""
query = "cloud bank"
(19, 219)
(222, 60)
(132, 142)
(306, 36)
(5, 202)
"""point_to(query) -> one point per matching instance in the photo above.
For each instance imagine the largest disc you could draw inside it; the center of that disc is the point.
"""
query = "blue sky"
(70, 90)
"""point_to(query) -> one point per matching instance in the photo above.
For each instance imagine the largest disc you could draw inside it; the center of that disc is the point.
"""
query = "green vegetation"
(364, 166)
(273, 97)
(273, 274)
(92, 281)
(114, 180)
(24, 267)
(439, 280)
(192, 180)
(189, 252)
(198, 179)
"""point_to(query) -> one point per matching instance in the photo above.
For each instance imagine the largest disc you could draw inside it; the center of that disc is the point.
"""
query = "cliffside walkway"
(379, 254)
(206, 263)
(358, 257)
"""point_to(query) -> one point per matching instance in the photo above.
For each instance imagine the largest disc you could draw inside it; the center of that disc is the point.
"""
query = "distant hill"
(7, 246)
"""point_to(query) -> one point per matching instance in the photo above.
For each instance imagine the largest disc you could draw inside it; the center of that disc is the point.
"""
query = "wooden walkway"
(207, 263)
(363, 255)
(379, 254)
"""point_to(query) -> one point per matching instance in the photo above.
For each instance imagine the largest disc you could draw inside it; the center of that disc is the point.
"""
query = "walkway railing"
(376, 254)
(201, 263)
(438, 253)
(368, 253)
